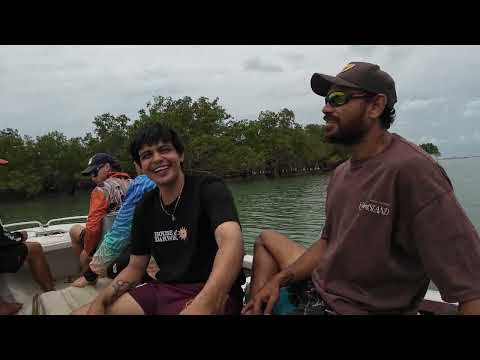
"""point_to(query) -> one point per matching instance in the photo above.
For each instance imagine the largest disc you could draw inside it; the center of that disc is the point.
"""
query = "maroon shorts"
(157, 298)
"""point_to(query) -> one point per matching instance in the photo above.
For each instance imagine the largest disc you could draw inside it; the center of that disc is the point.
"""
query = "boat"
(65, 267)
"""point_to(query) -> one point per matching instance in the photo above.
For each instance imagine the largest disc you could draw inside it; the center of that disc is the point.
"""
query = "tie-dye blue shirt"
(118, 238)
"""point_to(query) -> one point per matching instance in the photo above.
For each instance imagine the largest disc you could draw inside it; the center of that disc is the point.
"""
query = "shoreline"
(9, 196)
(284, 175)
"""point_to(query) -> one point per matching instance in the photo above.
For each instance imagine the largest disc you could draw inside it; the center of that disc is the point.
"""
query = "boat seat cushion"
(63, 302)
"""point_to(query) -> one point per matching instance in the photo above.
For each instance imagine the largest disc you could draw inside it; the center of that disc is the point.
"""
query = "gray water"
(294, 206)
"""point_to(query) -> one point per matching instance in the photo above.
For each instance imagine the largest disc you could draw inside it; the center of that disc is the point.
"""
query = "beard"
(348, 135)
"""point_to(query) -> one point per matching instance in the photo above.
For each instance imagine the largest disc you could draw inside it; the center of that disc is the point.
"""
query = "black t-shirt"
(185, 248)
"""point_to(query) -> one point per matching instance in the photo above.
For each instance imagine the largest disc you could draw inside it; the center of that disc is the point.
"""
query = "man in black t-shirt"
(190, 225)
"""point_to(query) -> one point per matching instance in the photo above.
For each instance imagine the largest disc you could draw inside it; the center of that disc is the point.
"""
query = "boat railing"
(49, 222)
(38, 223)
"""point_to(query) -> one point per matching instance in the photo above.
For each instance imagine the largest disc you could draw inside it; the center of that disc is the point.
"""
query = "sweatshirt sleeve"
(93, 228)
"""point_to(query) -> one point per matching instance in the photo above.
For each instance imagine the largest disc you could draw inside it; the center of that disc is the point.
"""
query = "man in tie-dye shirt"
(112, 254)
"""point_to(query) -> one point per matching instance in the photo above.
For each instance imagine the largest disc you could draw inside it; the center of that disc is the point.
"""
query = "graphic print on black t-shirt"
(171, 235)
(185, 248)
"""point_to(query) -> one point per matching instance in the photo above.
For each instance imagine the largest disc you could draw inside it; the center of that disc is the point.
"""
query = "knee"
(74, 232)
(81, 310)
(264, 238)
(259, 240)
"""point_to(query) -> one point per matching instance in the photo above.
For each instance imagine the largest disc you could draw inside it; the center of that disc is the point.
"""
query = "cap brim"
(88, 170)
(321, 83)
(3, 162)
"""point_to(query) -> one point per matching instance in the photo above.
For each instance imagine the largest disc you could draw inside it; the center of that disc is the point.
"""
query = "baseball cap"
(3, 162)
(97, 160)
(358, 75)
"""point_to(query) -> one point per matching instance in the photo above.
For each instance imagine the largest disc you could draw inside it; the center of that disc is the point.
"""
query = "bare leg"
(85, 263)
(273, 252)
(125, 305)
(77, 247)
(75, 231)
(9, 308)
(39, 266)
(82, 310)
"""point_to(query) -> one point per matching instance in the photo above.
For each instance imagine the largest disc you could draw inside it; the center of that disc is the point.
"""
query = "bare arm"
(303, 267)
(127, 279)
(471, 307)
(226, 267)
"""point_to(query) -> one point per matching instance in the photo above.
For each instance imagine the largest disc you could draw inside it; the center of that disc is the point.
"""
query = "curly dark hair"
(387, 118)
(150, 135)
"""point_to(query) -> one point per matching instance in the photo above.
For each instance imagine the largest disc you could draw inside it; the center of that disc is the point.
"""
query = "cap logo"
(348, 67)
(90, 161)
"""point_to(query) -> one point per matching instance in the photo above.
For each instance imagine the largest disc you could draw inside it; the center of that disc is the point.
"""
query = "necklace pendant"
(173, 218)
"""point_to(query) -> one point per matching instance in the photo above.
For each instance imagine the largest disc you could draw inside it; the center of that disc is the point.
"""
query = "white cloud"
(420, 104)
(257, 64)
(426, 139)
(472, 108)
(471, 138)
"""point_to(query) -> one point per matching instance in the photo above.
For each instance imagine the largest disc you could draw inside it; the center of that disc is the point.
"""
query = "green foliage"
(430, 149)
(273, 143)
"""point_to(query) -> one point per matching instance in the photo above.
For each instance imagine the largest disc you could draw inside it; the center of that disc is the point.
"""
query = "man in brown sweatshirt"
(393, 223)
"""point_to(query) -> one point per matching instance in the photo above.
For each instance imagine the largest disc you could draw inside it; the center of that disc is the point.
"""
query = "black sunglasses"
(339, 98)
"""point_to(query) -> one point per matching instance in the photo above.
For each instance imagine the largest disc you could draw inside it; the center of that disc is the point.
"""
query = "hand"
(96, 308)
(266, 295)
(198, 306)
(81, 282)
(196, 309)
(98, 269)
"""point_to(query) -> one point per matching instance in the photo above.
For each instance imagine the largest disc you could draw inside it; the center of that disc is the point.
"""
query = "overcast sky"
(45, 88)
